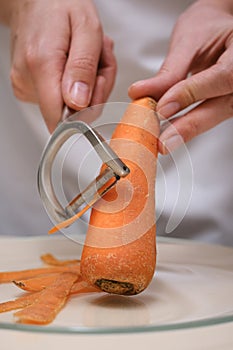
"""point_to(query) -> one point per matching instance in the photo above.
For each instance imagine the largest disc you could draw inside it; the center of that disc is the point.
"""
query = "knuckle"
(225, 77)
(191, 129)
(35, 59)
(166, 70)
(20, 94)
(96, 25)
(31, 58)
(190, 95)
(85, 63)
(108, 42)
(16, 78)
(229, 80)
(21, 85)
(92, 22)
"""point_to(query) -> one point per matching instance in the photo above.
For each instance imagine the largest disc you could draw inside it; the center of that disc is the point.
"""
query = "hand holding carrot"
(59, 54)
(201, 44)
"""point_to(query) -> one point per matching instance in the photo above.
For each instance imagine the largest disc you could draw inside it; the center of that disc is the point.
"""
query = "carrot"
(119, 254)
(49, 302)
(10, 276)
(50, 259)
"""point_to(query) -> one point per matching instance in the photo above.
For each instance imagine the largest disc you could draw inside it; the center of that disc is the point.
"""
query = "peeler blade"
(93, 192)
(115, 169)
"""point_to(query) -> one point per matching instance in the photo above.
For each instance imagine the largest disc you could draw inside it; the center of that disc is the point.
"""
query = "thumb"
(81, 67)
(175, 68)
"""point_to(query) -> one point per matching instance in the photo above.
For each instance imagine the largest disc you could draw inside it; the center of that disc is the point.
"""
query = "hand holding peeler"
(115, 169)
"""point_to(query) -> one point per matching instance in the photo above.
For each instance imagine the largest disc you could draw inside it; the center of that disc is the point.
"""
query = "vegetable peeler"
(114, 170)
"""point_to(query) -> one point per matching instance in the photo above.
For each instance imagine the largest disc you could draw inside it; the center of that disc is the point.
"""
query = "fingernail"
(138, 83)
(172, 143)
(169, 109)
(80, 94)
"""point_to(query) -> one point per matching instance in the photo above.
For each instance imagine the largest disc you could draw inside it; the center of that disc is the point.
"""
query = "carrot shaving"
(6, 277)
(36, 284)
(19, 303)
(83, 287)
(69, 221)
(50, 259)
(49, 302)
(47, 289)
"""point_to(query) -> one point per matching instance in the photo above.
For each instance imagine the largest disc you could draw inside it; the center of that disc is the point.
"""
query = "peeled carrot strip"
(50, 301)
(36, 284)
(83, 287)
(6, 277)
(52, 260)
(69, 221)
(19, 303)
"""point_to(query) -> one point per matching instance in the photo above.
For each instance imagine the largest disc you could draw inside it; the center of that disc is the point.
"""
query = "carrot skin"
(19, 303)
(50, 259)
(50, 301)
(36, 284)
(9, 276)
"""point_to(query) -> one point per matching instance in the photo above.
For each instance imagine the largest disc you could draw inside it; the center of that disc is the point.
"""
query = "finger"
(81, 68)
(106, 74)
(47, 70)
(107, 66)
(202, 118)
(21, 80)
(22, 85)
(40, 83)
(212, 82)
(98, 96)
(174, 68)
(50, 96)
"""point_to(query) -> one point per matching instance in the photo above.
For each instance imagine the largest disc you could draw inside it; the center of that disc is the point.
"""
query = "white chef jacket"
(194, 192)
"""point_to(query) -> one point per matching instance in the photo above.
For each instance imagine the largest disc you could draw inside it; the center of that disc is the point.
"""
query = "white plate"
(192, 287)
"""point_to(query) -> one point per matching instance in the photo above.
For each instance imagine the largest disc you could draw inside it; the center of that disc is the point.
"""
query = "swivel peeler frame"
(115, 169)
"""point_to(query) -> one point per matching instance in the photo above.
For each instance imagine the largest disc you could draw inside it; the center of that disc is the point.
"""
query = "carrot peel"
(49, 302)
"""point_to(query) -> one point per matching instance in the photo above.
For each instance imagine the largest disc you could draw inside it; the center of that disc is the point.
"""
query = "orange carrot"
(49, 302)
(50, 259)
(119, 254)
(10, 276)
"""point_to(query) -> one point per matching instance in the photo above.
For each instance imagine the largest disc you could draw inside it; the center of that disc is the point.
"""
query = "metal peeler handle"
(115, 168)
